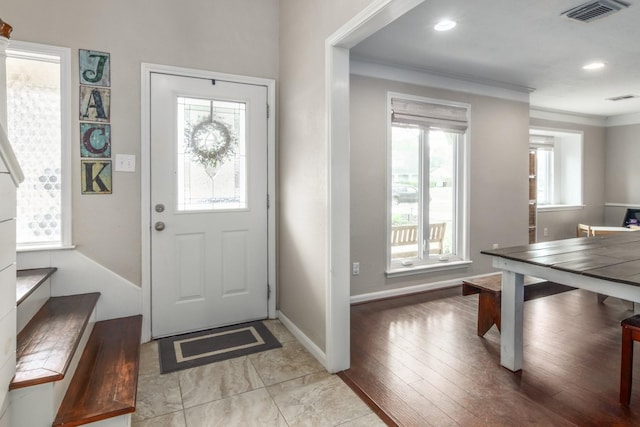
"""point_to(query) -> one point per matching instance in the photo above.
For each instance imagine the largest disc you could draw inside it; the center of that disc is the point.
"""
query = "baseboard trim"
(407, 290)
(304, 339)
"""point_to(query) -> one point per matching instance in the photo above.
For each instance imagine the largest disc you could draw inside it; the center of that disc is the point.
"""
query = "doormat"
(213, 345)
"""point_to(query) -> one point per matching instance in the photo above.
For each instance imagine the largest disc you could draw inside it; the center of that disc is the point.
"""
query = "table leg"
(511, 328)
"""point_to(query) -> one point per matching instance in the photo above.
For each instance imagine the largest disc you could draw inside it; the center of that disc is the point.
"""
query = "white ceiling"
(523, 44)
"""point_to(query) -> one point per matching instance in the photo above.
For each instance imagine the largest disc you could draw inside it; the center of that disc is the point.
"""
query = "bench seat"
(489, 289)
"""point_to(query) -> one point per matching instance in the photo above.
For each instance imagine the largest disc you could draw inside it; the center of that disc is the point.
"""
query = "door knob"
(159, 226)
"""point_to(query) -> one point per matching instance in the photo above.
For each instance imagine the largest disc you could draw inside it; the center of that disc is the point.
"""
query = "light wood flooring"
(418, 358)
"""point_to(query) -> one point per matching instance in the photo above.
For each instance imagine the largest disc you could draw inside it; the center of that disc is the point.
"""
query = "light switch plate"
(125, 163)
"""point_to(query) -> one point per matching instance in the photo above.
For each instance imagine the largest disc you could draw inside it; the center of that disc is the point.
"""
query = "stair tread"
(106, 380)
(47, 344)
(29, 280)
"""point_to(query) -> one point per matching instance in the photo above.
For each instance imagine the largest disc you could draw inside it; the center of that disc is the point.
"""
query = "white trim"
(119, 297)
(623, 120)
(462, 175)
(4, 43)
(61, 56)
(408, 290)
(338, 212)
(623, 205)
(145, 177)
(427, 268)
(424, 78)
(377, 15)
(9, 159)
(44, 247)
(584, 119)
(66, 149)
(374, 17)
(558, 172)
(554, 208)
(567, 117)
(306, 342)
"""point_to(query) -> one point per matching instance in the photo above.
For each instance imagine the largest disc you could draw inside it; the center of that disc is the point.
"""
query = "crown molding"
(584, 119)
(567, 117)
(450, 82)
(623, 120)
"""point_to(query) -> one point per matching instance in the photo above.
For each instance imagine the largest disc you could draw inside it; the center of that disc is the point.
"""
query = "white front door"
(209, 260)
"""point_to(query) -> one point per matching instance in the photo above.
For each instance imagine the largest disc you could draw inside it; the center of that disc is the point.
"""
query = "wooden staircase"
(71, 369)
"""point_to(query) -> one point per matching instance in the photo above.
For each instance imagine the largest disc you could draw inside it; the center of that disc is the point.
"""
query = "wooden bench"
(404, 240)
(489, 289)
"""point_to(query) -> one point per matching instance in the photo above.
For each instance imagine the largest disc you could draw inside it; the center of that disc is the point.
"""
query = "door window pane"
(211, 155)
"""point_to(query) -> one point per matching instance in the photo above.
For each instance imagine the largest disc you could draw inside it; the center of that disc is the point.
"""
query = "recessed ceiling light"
(444, 25)
(594, 66)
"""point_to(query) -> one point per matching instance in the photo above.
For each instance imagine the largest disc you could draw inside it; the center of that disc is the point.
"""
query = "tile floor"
(281, 387)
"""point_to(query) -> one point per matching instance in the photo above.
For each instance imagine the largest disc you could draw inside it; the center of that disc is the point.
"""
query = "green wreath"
(211, 143)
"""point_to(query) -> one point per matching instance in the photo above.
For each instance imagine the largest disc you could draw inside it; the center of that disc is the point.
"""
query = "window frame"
(549, 177)
(395, 268)
(564, 181)
(28, 50)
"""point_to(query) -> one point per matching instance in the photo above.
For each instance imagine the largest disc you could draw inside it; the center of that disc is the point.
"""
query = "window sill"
(426, 268)
(37, 248)
(552, 208)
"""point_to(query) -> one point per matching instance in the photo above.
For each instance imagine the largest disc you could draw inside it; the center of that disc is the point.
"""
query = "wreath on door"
(211, 143)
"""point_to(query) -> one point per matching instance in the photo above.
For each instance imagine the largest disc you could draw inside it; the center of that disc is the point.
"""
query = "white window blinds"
(429, 115)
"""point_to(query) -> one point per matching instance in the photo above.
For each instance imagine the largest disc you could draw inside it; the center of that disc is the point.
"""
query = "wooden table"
(607, 265)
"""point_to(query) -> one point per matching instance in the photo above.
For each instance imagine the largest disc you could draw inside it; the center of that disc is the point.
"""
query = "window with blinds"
(426, 178)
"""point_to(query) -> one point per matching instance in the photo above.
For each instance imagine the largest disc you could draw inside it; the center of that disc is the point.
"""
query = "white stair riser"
(5, 413)
(7, 353)
(38, 405)
(34, 302)
(121, 421)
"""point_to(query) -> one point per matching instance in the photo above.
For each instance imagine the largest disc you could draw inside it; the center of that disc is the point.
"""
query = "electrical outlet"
(496, 246)
(355, 269)
(545, 232)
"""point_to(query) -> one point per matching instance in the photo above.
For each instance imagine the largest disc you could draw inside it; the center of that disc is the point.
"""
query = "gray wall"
(622, 164)
(622, 172)
(562, 224)
(499, 138)
(303, 166)
(230, 36)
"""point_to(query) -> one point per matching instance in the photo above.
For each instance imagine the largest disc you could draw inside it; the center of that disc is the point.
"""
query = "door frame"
(145, 177)
(372, 18)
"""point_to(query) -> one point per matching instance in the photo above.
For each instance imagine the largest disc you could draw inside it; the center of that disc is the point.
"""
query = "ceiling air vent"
(593, 10)
(622, 97)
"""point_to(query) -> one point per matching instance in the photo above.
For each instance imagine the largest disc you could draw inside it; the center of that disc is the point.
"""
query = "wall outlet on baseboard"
(495, 246)
(355, 268)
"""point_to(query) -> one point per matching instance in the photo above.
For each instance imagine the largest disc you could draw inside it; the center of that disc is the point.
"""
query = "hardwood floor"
(419, 359)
